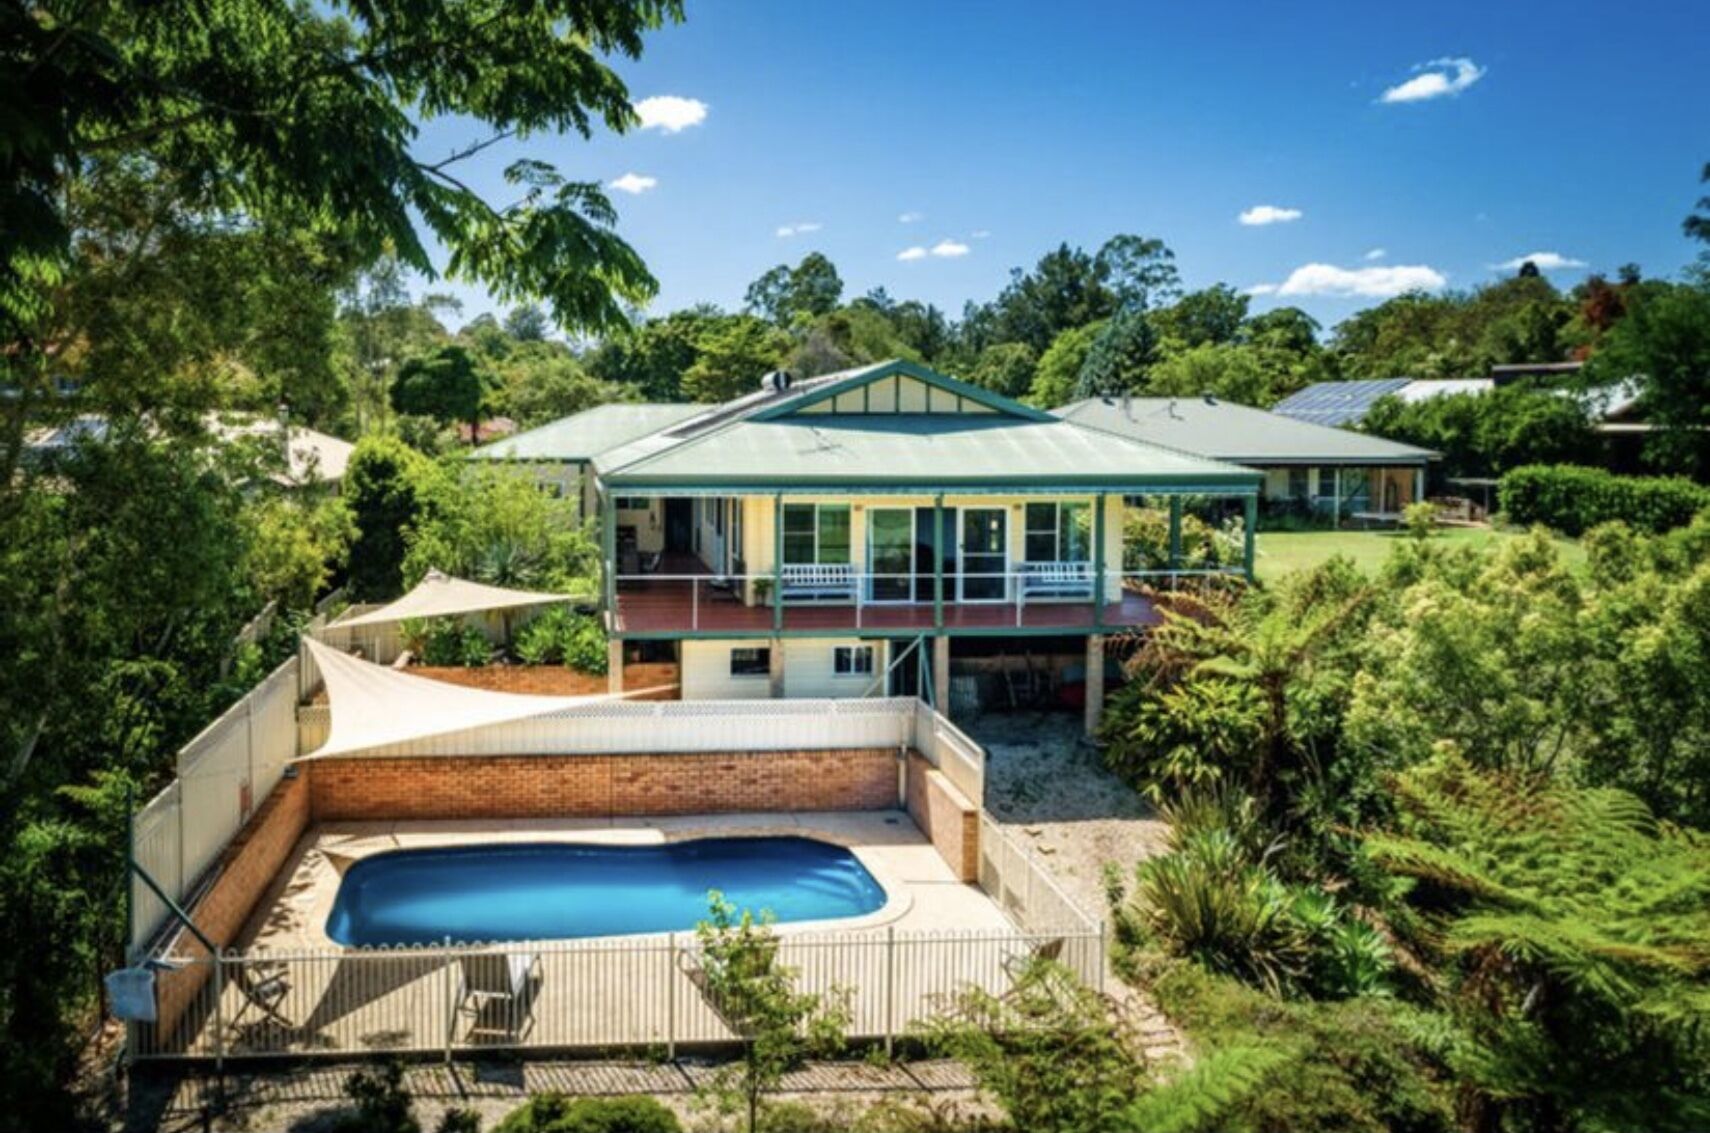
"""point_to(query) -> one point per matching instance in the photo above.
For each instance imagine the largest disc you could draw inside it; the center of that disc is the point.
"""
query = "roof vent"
(1209, 400)
(777, 381)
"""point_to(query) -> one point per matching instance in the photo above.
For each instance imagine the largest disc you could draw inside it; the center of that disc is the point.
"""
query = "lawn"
(1282, 551)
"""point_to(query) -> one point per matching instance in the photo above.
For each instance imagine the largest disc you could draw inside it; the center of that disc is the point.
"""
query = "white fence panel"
(620, 727)
(1011, 875)
(224, 773)
(950, 750)
(156, 845)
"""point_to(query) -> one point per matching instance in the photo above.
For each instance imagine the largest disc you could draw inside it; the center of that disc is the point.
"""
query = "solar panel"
(1337, 403)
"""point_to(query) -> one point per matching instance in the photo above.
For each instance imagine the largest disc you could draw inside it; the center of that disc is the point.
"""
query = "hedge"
(1573, 499)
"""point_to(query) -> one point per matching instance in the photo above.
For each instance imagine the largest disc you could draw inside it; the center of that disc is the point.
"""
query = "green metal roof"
(1223, 430)
(921, 450)
(583, 436)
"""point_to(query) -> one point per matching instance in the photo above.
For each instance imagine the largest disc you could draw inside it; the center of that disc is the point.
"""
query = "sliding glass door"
(985, 554)
(890, 554)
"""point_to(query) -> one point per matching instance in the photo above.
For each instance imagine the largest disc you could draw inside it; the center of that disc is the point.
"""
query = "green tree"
(1247, 375)
(1067, 288)
(1566, 927)
(1119, 358)
(1055, 1057)
(1488, 434)
(1664, 341)
(756, 996)
(654, 356)
(495, 525)
(811, 288)
(450, 385)
(1214, 315)
(731, 355)
(1140, 271)
(1697, 224)
(250, 98)
(1059, 369)
(1006, 368)
(383, 484)
(1283, 328)
(527, 323)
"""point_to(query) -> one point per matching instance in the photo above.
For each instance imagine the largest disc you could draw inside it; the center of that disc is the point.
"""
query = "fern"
(1203, 1096)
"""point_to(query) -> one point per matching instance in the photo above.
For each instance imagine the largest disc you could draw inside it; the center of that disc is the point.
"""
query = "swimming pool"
(551, 891)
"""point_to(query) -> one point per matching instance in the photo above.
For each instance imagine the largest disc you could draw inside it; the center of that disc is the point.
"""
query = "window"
(1299, 482)
(852, 660)
(632, 503)
(750, 662)
(1059, 532)
(816, 533)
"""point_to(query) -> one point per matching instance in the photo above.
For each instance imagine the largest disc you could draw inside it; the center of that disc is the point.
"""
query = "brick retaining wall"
(944, 814)
(244, 872)
(603, 786)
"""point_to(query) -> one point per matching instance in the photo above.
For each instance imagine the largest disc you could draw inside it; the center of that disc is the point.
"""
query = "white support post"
(1336, 499)
(671, 997)
(450, 995)
(890, 988)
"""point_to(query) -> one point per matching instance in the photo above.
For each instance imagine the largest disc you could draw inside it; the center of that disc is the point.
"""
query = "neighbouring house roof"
(1346, 403)
(439, 595)
(312, 455)
(808, 436)
(1337, 403)
(373, 706)
(1224, 430)
(583, 436)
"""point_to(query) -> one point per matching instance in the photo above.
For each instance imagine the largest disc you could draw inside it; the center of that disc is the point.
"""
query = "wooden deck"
(664, 606)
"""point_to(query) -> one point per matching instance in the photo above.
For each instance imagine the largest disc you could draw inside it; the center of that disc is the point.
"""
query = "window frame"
(762, 657)
(843, 660)
(817, 533)
(1056, 532)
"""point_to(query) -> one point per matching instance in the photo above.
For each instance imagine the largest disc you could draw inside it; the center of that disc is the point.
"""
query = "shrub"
(382, 1104)
(555, 1113)
(1573, 499)
(447, 641)
(561, 635)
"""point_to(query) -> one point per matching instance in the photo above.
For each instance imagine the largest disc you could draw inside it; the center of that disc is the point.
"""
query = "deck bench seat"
(818, 582)
(1057, 580)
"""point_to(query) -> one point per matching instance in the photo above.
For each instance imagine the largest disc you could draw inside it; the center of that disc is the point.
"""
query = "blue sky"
(1002, 129)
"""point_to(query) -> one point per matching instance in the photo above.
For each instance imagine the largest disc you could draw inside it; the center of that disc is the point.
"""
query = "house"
(1305, 465)
(855, 531)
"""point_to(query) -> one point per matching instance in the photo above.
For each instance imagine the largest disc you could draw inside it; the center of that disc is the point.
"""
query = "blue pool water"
(554, 891)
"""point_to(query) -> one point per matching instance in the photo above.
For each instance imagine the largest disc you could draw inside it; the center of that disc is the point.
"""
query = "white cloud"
(1377, 254)
(800, 229)
(911, 217)
(634, 183)
(670, 113)
(980, 233)
(1269, 214)
(1546, 261)
(1439, 77)
(1364, 283)
(1262, 289)
(950, 248)
(914, 253)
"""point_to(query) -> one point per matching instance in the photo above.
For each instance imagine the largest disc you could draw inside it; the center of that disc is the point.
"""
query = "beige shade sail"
(439, 595)
(373, 706)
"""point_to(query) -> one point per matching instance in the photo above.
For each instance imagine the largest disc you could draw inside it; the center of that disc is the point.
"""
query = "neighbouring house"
(1306, 466)
(311, 456)
(853, 532)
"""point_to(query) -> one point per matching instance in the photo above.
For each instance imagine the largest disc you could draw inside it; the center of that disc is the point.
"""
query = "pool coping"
(375, 838)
